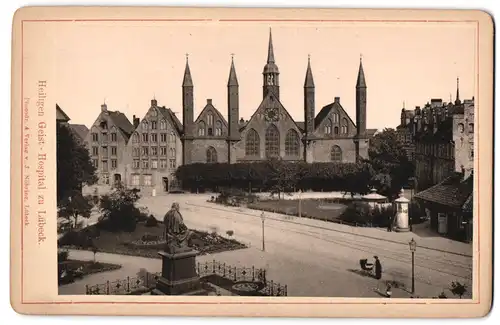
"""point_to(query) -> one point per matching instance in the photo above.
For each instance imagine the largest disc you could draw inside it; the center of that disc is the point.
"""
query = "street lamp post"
(300, 204)
(263, 218)
(413, 248)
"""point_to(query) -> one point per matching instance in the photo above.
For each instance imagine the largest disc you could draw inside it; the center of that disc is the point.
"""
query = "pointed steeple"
(187, 82)
(270, 50)
(361, 83)
(457, 100)
(233, 80)
(309, 83)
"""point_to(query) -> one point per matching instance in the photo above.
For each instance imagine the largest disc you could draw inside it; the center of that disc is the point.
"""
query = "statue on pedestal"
(177, 235)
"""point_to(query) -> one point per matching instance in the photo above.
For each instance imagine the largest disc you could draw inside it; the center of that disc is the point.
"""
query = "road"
(311, 257)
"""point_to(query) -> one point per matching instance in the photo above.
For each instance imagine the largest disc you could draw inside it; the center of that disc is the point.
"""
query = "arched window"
(460, 128)
(335, 117)
(135, 137)
(336, 130)
(171, 137)
(272, 141)
(211, 155)
(154, 112)
(336, 154)
(292, 143)
(163, 125)
(344, 126)
(144, 125)
(471, 127)
(328, 127)
(201, 128)
(210, 119)
(252, 143)
(218, 128)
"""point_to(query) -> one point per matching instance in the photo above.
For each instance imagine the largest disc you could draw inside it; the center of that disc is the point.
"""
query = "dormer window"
(163, 125)
(104, 125)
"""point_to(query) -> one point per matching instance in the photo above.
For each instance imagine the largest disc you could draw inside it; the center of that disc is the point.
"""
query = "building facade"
(443, 137)
(154, 150)
(440, 138)
(331, 135)
(145, 153)
(107, 143)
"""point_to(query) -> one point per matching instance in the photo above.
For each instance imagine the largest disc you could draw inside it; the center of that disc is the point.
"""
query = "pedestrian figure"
(378, 268)
(388, 290)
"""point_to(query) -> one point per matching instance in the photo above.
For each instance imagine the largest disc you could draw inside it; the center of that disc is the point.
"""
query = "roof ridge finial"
(187, 57)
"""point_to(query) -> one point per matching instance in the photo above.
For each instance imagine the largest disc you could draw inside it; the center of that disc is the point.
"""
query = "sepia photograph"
(246, 157)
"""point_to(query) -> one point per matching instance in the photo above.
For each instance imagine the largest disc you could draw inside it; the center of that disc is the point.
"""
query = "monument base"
(178, 274)
(402, 229)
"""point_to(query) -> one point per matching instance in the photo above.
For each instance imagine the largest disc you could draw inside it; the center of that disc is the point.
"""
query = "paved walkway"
(312, 257)
(302, 279)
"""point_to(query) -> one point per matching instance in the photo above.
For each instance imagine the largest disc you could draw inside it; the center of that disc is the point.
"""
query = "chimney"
(136, 121)
(104, 108)
(336, 100)
(209, 101)
(154, 102)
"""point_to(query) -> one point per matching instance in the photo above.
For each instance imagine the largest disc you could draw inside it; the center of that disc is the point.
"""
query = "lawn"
(146, 241)
(326, 210)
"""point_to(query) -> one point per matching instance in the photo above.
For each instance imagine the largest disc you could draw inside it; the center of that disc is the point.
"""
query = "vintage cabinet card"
(252, 162)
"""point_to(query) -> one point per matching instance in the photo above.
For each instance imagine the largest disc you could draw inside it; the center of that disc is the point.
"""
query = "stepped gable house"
(107, 143)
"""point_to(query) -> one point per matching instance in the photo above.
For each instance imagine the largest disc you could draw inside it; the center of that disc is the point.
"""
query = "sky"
(126, 64)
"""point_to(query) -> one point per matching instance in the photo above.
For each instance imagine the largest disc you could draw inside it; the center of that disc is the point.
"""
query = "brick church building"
(330, 135)
(146, 152)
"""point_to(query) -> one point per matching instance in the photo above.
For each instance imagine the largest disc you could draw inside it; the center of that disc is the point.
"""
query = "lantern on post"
(413, 248)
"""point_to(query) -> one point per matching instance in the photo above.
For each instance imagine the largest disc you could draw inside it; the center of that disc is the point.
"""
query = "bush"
(151, 221)
(358, 213)
(119, 212)
(382, 216)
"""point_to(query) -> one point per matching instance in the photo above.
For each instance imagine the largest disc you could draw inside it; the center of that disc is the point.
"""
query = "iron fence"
(147, 281)
(130, 285)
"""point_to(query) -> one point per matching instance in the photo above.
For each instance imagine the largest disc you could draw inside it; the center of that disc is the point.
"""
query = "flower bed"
(147, 241)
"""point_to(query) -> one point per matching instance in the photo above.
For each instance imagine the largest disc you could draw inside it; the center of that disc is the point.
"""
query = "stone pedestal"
(178, 274)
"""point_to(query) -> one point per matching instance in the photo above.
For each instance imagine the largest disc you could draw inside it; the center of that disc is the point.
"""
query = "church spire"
(457, 100)
(309, 83)
(233, 80)
(270, 50)
(361, 83)
(271, 72)
(187, 82)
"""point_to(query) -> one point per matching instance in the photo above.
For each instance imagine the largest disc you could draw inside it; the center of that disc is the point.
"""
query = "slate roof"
(208, 106)
(453, 192)
(323, 113)
(168, 113)
(371, 132)
(122, 123)
(79, 130)
(62, 114)
(301, 126)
